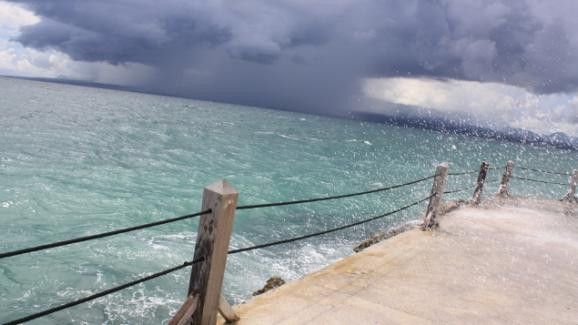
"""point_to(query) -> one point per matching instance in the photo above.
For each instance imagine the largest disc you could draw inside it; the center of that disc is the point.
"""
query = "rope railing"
(157, 223)
(98, 236)
(219, 208)
(463, 173)
(544, 171)
(458, 191)
(538, 181)
(334, 197)
(324, 232)
(190, 263)
(508, 175)
(99, 294)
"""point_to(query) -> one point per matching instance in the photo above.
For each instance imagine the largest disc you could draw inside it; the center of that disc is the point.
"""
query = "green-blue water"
(76, 161)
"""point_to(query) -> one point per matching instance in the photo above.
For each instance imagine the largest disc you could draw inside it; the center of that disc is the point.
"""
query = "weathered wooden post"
(477, 198)
(503, 189)
(437, 191)
(214, 233)
(572, 181)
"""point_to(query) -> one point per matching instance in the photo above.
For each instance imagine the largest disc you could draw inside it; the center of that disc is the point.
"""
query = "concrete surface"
(510, 264)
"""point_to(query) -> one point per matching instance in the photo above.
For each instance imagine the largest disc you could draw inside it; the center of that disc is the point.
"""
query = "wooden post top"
(444, 165)
(222, 187)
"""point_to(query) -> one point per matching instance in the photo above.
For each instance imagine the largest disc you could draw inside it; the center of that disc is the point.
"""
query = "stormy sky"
(515, 61)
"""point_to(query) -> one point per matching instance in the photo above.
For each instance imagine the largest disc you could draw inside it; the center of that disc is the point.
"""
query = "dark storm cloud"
(308, 55)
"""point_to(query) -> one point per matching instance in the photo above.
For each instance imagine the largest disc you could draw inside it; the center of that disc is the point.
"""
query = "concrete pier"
(512, 263)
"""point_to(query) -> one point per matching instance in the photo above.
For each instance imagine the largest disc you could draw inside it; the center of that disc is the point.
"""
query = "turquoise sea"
(76, 161)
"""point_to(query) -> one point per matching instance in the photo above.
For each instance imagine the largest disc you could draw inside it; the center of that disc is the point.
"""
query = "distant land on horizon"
(558, 140)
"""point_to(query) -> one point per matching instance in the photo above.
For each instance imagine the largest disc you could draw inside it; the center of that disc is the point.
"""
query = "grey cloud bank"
(311, 55)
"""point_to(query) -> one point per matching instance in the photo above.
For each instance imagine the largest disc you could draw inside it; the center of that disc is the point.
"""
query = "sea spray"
(76, 161)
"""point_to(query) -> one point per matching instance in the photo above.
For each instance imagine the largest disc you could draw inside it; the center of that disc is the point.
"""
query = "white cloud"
(12, 17)
(507, 104)
(17, 60)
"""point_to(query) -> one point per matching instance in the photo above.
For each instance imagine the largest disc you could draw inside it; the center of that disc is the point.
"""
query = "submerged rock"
(447, 207)
(393, 231)
(272, 283)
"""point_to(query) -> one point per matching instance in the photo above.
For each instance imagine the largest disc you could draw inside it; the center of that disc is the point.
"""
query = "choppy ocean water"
(76, 161)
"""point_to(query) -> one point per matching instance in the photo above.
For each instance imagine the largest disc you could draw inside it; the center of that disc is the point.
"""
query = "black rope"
(97, 236)
(189, 263)
(152, 224)
(324, 232)
(341, 196)
(99, 294)
(457, 191)
(537, 180)
(464, 173)
(544, 171)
